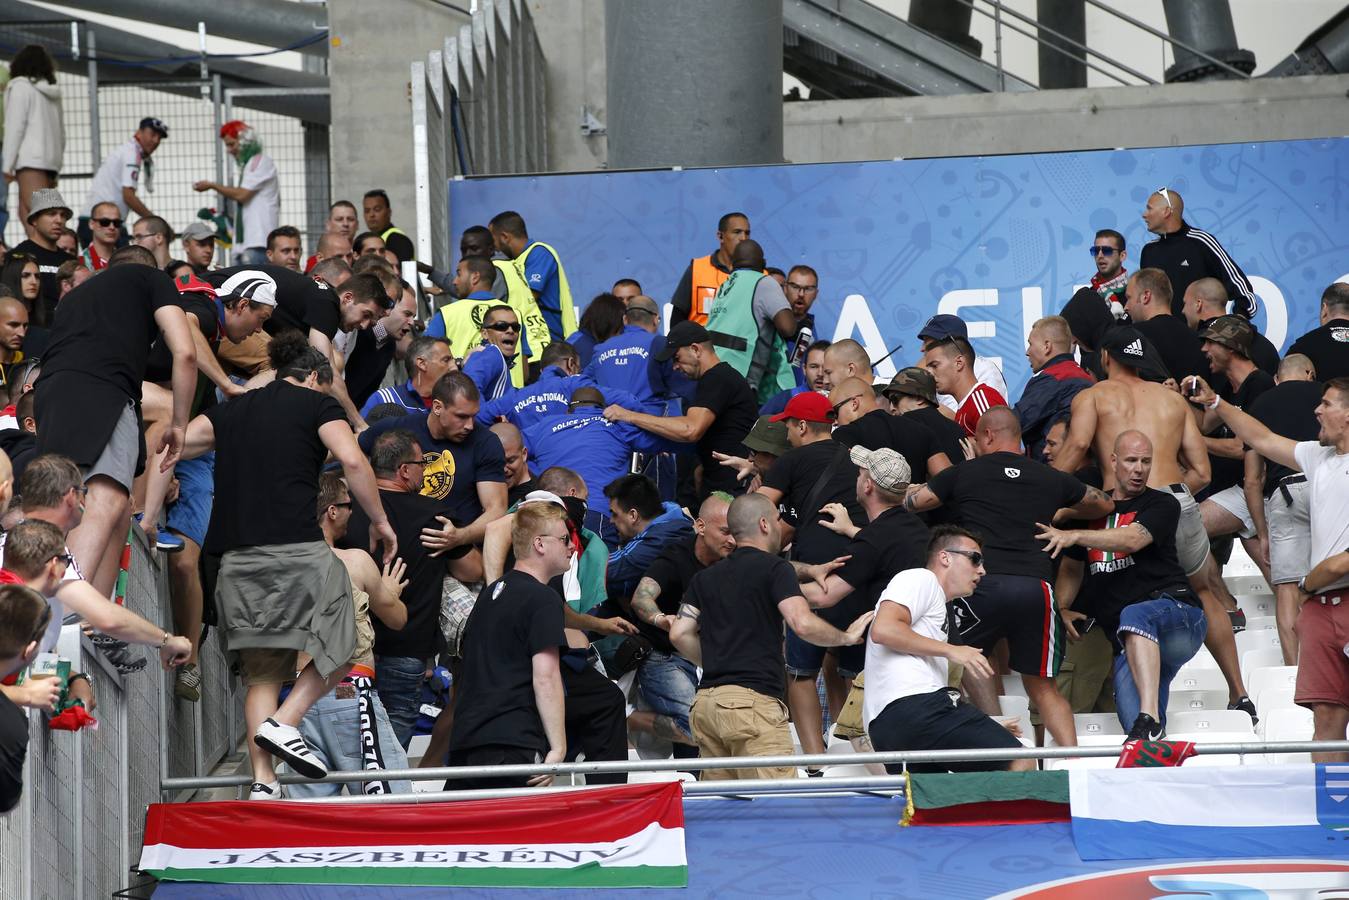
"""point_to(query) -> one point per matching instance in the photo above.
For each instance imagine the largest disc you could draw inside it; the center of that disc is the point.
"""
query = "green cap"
(767, 436)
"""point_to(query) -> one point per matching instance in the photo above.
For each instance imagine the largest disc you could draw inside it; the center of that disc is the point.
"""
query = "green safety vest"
(521, 299)
(754, 349)
(564, 303)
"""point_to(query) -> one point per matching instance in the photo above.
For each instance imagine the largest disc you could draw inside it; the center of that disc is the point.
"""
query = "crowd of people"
(620, 532)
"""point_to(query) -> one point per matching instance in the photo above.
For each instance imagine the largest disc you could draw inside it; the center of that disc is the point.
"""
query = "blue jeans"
(668, 684)
(250, 256)
(1178, 629)
(398, 680)
(332, 730)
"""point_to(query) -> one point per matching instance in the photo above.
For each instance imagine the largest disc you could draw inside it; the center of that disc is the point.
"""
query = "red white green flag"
(618, 837)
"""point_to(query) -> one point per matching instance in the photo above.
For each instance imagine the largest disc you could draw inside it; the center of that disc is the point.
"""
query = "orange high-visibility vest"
(707, 278)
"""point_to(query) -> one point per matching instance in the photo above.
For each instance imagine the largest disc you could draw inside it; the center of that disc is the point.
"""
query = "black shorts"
(492, 755)
(1019, 608)
(939, 720)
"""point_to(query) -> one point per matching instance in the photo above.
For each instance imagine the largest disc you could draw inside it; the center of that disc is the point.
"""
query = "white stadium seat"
(1012, 686)
(1255, 605)
(1209, 721)
(1013, 707)
(1254, 640)
(1261, 623)
(1253, 583)
(1259, 658)
(1282, 725)
(1199, 679)
(1191, 701)
(1262, 678)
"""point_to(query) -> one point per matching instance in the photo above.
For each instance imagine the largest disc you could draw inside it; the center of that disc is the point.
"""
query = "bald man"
(1187, 254)
(1206, 300)
(1134, 587)
(862, 422)
(519, 481)
(843, 360)
(1000, 494)
(752, 324)
(13, 330)
(1057, 378)
(1180, 466)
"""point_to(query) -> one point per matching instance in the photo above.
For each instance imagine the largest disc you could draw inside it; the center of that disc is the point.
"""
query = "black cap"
(155, 125)
(1125, 343)
(682, 335)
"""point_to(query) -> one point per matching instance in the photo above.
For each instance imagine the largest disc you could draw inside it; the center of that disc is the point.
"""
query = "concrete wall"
(372, 46)
(1092, 118)
(571, 33)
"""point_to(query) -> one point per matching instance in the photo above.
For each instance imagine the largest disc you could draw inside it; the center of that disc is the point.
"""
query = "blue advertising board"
(999, 240)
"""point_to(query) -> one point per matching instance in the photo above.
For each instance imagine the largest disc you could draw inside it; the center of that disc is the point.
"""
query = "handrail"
(1168, 38)
(911, 757)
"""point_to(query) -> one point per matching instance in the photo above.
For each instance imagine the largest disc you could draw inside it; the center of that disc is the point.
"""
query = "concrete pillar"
(948, 20)
(694, 83)
(1205, 25)
(371, 48)
(1068, 18)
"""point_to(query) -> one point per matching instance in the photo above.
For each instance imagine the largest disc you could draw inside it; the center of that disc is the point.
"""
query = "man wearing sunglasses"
(1187, 254)
(492, 363)
(907, 704)
(1108, 253)
(105, 226)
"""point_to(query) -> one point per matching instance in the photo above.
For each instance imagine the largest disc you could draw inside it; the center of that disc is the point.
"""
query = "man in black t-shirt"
(731, 623)
(88, 394)
(1277, 496)
(24, 616)
(465, 465)
(1149, 306)
(1134, 587)
(667, 681)
(402, 657)
(862, 423)
(913, 394)
(280, 588)
(1000, 495)
(815, 472)
(1328, 345)
(722, 412)
(508, 703)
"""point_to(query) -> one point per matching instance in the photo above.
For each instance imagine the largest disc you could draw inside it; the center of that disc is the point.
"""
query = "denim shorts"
(804, 659)
(190, 514)
(332, 729)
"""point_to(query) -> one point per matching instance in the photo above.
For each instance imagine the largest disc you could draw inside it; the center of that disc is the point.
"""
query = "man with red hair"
(257, 193)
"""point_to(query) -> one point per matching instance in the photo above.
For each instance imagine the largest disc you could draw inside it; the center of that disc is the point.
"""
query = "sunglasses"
(503, 326)
(346, 505)
(65, 558)
(1165, 196)
(107, 223)
(833, 412)
(974, 556)
(1102, 251)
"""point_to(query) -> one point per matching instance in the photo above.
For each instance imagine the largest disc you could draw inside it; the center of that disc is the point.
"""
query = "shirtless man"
(1180, 466)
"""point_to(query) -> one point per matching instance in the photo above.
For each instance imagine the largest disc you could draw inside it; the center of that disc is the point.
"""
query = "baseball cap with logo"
(808, 406)
(915, 382)
(1125, 343)
(250, 284)
(154, 124)
(767, 436)
(887, 467)
(943, 327)
(1232, 332)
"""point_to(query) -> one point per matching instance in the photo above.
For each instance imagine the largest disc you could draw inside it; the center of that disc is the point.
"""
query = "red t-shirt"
(979, 401)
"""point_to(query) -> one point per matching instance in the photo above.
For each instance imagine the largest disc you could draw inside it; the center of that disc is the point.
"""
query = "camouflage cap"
(1232, 332)
(915, 382)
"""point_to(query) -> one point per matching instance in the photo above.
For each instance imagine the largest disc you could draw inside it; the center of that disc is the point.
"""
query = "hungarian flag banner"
(617, 837)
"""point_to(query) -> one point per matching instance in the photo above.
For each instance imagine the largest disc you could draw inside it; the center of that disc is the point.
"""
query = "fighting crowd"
(467, 505)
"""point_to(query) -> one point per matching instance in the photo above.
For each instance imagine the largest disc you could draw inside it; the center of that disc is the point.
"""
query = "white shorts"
(1191, 538)
(1290, 532)
(1233, 499)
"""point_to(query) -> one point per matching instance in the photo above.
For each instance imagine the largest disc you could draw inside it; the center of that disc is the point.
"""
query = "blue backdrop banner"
(1000, 241)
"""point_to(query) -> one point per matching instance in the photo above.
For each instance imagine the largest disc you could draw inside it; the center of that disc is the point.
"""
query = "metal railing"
(739, 787)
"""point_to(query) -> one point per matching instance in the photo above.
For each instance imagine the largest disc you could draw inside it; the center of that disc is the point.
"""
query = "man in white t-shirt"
(942, 328)
(1323, 621)
(258, 193)
(907, 704)
(118, 180)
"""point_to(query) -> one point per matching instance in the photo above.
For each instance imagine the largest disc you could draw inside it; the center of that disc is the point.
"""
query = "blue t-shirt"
(487, 367)
(624, 361)
(584, 344)
(596, 449)
(541, 276)
(548, 397)
(452, 470)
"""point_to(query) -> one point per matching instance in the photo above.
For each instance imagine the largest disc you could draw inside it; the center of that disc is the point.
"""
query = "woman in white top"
(35, 138)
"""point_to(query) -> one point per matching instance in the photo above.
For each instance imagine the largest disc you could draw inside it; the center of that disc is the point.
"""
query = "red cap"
(808, 406)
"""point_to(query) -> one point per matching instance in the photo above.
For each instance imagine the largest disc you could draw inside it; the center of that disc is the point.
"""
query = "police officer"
(624, 361)
(550, 394)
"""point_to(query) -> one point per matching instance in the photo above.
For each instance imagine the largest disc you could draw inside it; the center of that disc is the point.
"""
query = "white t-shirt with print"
(261, 214)
(1328, 481)
(121, 168)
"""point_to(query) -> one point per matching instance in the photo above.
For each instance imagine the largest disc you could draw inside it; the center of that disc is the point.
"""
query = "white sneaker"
(260, 791)
(286, 743)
